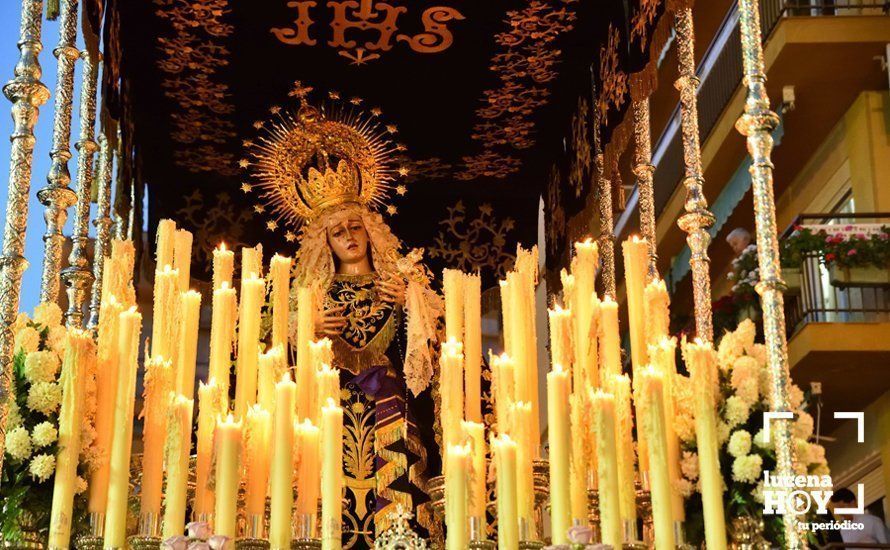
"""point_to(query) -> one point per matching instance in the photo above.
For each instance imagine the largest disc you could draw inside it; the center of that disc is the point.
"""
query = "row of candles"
(591, 408)
(279, 431)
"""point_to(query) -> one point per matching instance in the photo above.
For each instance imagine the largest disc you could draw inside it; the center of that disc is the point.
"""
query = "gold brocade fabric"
(358, 468)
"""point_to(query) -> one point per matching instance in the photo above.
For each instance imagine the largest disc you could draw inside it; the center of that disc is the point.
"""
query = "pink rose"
(178, 542)
(199, 530)
(580, 534)
(199, 545)
(220, 542)
(851, 252)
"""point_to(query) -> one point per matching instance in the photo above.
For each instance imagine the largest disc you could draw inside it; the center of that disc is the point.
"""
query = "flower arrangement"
(743, 395)
(200, 537)
(32, 427)
(845, 248)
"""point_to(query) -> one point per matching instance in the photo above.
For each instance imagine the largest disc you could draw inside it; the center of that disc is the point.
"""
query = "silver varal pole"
(27, 94)
(757, 124)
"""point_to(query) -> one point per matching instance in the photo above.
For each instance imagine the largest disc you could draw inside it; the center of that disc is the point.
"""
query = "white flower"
(683, 486)
(745, 333)
(739, 443)
(177, 542)
(795, 397)
(21, 321)
(14, 417)
(760, 440)
(803, 426)
(757, 493)
(44, 434)
(44, 397)
(48, 314)
(737, 411)
(817, 454)
(689, 465)
(821, 470)
(27, 339)
(42, 467)
(56, 338)
(745, 379)
(728, 351)
(199, 530)
(747, 469)
(80, 485)
(41, 366)
(18, 443)
(722, 432)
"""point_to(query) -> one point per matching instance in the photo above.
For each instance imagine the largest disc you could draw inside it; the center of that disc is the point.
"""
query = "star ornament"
(272, 225)
(391, 210)
(246, 187)
(403, 171)
(243, 163)
(290, 237)
(401, 190)
(259, 209)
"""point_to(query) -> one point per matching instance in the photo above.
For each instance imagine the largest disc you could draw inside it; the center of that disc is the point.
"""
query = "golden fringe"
(643, 82)
(395, 467)
(357, 361)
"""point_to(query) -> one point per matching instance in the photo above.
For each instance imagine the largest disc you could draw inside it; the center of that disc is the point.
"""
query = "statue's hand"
(332, 321)
(393, 290)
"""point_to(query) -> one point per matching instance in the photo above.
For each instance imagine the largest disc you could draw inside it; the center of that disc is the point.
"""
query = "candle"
(119, 478)
(106, 390)
(580, 457)
(503, 381)
(164, 247)
(524, 312)
(457, 467)
(558, 416)
(222, 336)
(158, 383)
(504, 451)
(279, 272)
(452, 285)
(507, 316)
(228, 455)
(701, 360)
(474, 433)
(619, 385)
(223, 266)
(331, 476)
(604, 426)
(662, 357)
(521, 415)
(165, 317)
(561, 340)
(451, 391)
(584, 274)
(654, 425)
(178, 448)
(79, 360)
(636, 258)
(211, 402)
(257, 437)
(117, 277)
(610, 343)
(328, 384)
(249, 319)
(187, 355)
(657, 311)
(473, 347)
(306, 310)
(182, 257)
(282, 469)
(308, 465)
(271, 367)
(252, 261)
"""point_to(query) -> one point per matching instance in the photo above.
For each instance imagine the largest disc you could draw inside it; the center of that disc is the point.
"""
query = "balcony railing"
(720, 72)
(819, 298)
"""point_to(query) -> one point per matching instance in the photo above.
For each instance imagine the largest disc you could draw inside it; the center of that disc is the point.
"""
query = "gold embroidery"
(581, 158)
(351, 19)
(642, 19)
(210, 225)
(358, 465)
(614, 80)
(474, 244)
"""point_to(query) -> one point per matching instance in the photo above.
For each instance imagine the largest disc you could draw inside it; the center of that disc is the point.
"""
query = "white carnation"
(803, 426)
(27, 339)
(48, 314)
(739, 443)
(737, 411)
(44, 434)
(689, 465)
(42, 467)
(44, 397)
(41, 366)
(747, 469)
(18, 443)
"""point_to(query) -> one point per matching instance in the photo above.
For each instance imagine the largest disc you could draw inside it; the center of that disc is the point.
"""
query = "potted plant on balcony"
(794, 250)
(858, 259)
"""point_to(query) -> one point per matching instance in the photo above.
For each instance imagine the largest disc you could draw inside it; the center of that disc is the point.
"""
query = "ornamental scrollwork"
(474, 243)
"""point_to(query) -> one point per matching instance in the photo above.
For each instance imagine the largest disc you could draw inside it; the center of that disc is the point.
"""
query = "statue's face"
(348, 237)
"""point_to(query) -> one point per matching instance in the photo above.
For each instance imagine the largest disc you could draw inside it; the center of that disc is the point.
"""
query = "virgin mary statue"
(330, 174)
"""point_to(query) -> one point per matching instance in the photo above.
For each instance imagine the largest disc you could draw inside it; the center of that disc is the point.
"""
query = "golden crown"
(308, 160)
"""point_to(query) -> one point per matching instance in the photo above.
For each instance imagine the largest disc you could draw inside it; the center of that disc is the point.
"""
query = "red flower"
(829, 257)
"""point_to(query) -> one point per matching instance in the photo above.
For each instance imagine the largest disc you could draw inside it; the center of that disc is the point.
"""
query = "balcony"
(838, 324)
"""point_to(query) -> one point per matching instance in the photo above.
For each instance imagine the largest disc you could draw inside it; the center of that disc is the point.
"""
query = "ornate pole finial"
(644, 171)
(103, 224)
(27, 94)
(56, 197)
(757, 124)
(697, 219)
(77, 276)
